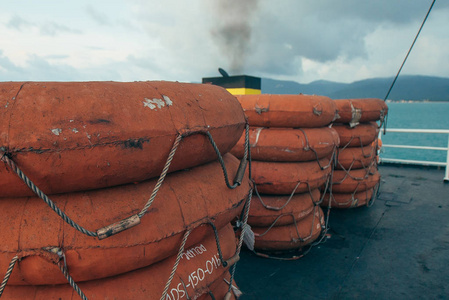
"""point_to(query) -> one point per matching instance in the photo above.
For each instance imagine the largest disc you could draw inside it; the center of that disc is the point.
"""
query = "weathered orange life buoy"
(290, 236)
(349, 200)
(288, 144)
(361, 135)
(355, 180)
(281, 178)
(355, 157)
(70, 136)
(360, 110)
(185, 199)
(199, 267)
(288, 110)
(299, 206)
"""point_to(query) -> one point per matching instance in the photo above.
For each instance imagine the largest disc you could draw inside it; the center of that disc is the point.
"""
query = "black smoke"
(232, 30)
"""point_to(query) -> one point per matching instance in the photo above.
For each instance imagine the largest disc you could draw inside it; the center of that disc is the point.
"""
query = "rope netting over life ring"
(125, 224)
(135, 219)
(295, 236)
(297, 212)
(352, 200)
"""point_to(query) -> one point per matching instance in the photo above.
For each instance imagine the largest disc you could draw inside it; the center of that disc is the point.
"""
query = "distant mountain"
(407, 87)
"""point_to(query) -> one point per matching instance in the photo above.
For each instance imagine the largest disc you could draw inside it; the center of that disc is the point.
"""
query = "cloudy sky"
(300, 40)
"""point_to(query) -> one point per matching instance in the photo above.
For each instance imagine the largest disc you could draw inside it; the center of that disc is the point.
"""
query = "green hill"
(407, 87)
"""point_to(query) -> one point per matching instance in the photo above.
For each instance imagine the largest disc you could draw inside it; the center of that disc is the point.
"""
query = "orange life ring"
(186, 199)
(355, 157)
(355, 180)
(70, 136)
(349, 200)
(199, 267)
(360, 110)
(267, 110)
(288, 144)
(281, 178)
(361, 135)
(298, 208)
(286, 237)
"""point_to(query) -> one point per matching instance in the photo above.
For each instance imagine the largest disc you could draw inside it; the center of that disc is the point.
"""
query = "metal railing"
(419, 162)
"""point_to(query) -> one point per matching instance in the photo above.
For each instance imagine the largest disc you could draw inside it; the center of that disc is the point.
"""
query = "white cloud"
(343, 40)
(386, 48)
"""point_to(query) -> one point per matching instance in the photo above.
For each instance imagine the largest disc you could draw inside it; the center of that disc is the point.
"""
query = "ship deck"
(396, 249)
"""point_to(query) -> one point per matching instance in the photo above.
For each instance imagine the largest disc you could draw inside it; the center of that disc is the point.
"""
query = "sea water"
(417, 115)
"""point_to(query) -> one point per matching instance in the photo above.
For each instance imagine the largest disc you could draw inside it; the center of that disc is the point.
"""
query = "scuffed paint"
(258, 131)
(75, 130)
(56, 131)
(167, 100)
(157, 103)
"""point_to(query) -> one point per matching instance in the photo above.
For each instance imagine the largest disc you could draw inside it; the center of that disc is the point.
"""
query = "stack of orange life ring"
(97, 153)
(356, 178)
(290, 143)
